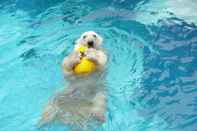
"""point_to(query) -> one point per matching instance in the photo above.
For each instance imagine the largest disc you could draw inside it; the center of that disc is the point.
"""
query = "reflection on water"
(169, 81)
(155, 10)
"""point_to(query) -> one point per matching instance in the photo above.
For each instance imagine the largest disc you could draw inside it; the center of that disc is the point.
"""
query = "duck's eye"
(94, 36)
(84, 36)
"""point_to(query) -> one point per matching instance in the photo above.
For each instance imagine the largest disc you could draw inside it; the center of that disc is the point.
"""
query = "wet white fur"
(85, 96)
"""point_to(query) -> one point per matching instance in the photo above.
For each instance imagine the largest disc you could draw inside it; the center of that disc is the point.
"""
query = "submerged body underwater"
(151, 75)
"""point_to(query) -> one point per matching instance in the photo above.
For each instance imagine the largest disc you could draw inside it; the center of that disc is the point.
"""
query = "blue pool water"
(152, 67)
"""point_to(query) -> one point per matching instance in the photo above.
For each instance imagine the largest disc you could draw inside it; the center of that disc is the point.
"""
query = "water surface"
(151, 74)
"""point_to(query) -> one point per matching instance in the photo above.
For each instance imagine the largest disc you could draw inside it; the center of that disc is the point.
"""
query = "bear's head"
(90, 39)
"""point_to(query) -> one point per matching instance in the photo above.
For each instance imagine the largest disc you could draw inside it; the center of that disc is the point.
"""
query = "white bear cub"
(84, 99)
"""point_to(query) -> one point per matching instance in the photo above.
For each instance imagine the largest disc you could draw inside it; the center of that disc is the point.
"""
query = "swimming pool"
(152, 68)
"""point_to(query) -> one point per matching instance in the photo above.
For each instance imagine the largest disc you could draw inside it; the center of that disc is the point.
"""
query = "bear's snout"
(91, 43)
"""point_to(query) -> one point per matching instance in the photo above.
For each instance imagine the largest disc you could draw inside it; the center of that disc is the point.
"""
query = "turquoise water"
(152, 67)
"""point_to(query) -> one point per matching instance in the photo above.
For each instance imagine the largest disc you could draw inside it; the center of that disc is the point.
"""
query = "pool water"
(151, 71)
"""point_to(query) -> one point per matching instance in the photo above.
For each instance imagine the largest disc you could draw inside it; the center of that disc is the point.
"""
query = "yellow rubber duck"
(85, 65)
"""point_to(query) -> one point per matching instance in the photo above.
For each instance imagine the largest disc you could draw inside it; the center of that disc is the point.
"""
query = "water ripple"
(151, 74)
(169, 83)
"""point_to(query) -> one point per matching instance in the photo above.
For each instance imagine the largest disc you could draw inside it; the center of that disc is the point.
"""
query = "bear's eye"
(84, 36)
(94, 36)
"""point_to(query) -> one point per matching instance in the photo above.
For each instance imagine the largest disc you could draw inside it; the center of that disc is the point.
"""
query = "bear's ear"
(77, 43)
(99, 40)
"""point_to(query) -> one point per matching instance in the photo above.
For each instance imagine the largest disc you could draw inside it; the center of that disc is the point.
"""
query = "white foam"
(183, 9)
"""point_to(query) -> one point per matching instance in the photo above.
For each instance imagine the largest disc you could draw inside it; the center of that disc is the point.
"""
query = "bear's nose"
(90, 43)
